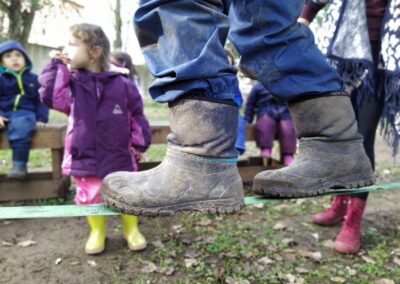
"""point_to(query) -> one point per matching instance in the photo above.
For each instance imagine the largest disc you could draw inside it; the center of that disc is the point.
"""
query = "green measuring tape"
(59, 211)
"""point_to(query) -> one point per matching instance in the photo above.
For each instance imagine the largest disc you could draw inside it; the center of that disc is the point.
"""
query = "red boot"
(333, 214)
(348, 240)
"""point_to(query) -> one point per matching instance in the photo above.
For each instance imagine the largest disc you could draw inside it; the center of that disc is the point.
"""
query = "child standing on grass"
(20, 107)
(273, 120)
(105, 121)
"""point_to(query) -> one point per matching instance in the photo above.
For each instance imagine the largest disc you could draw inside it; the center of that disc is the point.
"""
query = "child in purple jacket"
(273, 120)
(105, 121)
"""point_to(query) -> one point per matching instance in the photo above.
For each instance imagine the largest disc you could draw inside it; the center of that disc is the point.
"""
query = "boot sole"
(323, 189)
(218, 206)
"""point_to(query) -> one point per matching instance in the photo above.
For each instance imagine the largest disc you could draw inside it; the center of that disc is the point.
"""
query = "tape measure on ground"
(61, 211)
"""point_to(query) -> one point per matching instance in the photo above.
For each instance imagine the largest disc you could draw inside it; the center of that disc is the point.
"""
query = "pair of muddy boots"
(97, 238)
(199, 171)
(349, 210)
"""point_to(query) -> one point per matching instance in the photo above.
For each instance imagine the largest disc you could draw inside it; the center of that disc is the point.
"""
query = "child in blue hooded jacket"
(20, 106)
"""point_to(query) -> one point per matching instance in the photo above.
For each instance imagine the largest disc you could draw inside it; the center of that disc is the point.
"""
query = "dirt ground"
(272, 244)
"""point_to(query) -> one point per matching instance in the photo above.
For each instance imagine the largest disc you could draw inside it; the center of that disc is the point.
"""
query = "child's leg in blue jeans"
(287, 140)
(20, 129)
(266, 130)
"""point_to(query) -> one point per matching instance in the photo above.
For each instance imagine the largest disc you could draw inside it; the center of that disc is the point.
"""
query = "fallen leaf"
(397, 261)
(231, 280)
(396, 252)
(290, 278)
(280, 226)
(177, 228)
(265, 260)
(352, 272)
(7, 243)
(289, 242)
(189, 262)
(329, 244)
(92, 263)
(315, 256)
(259, 205)
(315, 236)
(166, 270)
(58, 261)
(191, 253)
(158, 244)
(301, 270)
(148, 267)
(204, 223)
(385, 281)
(27, 243)
(338, 279)
(367, 259)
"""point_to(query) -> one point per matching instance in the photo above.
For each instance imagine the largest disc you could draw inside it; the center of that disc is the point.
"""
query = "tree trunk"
(118, 25)
(20, 22)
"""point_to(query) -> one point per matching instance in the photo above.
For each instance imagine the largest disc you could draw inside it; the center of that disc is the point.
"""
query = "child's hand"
(304, 21)
(59, 55)
(40, 124)
(139, 156)
(3, 121)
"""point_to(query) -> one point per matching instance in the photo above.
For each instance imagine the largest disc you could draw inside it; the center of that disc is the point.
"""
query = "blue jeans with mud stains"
(183, 44)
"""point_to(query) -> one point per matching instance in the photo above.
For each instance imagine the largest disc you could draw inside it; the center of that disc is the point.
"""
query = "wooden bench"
(248, 167)
(38, 185)
(42, 185)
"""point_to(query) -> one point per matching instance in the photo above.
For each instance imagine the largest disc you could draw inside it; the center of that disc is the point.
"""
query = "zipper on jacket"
(18, 76)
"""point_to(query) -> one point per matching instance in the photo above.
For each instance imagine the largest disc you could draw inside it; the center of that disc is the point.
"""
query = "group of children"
(82, 80)
(97, 90)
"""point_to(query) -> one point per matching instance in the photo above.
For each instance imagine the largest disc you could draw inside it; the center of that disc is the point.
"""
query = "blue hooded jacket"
(20, 90)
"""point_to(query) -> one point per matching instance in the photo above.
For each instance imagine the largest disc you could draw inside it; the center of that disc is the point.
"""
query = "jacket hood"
(14, 45)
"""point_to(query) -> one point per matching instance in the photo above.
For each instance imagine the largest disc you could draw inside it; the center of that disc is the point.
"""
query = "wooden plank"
(56, 160)
(51, 137)
(32, 189)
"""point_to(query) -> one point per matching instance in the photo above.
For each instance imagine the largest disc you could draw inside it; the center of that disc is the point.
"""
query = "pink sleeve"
(54, 86)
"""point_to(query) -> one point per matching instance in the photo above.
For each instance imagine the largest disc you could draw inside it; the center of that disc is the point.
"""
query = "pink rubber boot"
(287, 159)
(348, 240)
(266, 152)
(333, 214)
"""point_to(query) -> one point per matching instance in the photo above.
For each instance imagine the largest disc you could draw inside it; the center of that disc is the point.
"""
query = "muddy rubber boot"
(331, 152)
(198, 173)
(334, 213)
(348, 240)
(18, 171)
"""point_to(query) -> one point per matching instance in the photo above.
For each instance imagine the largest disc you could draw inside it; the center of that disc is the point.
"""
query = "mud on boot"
(331, 152)
(199, 172)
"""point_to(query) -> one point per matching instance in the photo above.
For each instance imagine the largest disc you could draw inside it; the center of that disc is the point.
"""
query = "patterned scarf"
(343, 38)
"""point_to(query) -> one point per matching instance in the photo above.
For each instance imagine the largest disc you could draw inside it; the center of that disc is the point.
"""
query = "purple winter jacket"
(105, 119)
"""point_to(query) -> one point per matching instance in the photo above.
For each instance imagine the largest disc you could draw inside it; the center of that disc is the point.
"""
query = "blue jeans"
(20, 128)
(183, 44)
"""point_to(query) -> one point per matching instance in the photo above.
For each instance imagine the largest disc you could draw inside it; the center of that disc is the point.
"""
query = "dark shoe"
(18, 171)
(331, 152)
(333, 214)
(198, 173)
(348, 240)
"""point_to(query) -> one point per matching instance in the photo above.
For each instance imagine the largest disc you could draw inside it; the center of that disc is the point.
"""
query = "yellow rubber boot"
(132, 235)
(97, 238)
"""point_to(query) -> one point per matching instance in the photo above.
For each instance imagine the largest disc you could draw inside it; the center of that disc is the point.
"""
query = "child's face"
(77, 53)
(13, 60)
